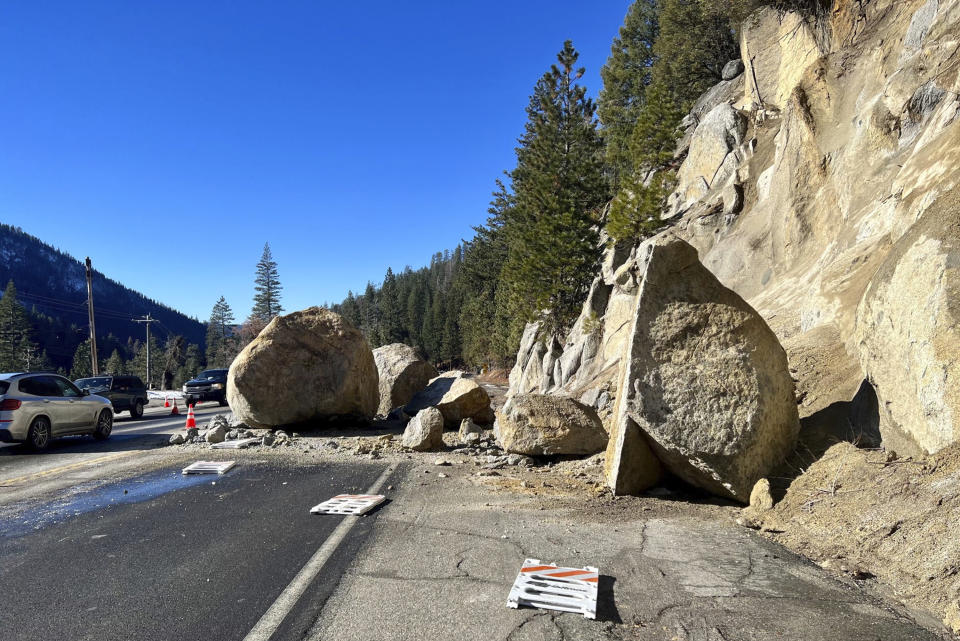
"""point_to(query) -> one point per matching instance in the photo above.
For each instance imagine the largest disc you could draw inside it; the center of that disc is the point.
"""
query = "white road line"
(274, 616)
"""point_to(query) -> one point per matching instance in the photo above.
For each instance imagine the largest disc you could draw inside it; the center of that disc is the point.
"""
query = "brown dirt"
(858, 513)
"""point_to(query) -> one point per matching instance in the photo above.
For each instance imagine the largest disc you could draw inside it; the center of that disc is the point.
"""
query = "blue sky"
(169, 140)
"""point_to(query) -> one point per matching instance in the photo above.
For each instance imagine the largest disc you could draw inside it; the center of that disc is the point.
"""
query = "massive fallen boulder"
(304, 366)
(457, 398)
(908, 336)
(402, 374)
(537, 425)
(704, 382)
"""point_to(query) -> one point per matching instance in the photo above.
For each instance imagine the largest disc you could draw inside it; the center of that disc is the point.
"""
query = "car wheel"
(38, 437)
(137, 410)
(104, 425)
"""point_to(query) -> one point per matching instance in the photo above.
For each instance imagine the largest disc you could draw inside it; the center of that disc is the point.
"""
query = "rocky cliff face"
(822, 187)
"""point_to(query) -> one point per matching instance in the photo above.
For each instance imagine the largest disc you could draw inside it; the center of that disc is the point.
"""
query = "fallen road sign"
(209, 467)
(239, 444)
(354, 504)
(550, 587)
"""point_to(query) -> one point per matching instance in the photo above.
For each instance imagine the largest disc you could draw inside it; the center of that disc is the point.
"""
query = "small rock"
(441, 462)
(891, 456)
(441, 475)
(217, 433)
(191, 433)
(732, 69)
(176, 439)
(268, 439)
(233, 435)
(333, 445)
(761, 499)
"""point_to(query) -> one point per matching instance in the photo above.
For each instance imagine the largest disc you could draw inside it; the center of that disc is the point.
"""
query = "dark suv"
(125, 393)
(209, 385)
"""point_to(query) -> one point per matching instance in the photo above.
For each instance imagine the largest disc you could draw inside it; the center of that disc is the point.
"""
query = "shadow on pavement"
(606, 603)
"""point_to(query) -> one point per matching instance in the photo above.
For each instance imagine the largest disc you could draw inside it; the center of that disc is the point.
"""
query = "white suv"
(36, 407)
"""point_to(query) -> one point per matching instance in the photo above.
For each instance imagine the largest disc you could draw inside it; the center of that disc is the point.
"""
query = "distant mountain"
(52, 284)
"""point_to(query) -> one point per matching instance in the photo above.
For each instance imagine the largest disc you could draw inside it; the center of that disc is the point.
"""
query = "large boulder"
(424, 432)
(537, 425)
(908, 336)
(304, 366)
(704, 382)
(402, 374)
(457, 398)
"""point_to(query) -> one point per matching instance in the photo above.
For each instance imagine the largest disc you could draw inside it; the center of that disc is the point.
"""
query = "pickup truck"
(209, 385)
(125, 393)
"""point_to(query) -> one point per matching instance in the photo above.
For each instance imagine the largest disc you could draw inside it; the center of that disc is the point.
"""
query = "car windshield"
(94, 384)
(210, 374)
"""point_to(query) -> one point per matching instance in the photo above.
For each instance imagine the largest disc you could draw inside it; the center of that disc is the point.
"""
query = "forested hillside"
(588, 173)
(51, 286)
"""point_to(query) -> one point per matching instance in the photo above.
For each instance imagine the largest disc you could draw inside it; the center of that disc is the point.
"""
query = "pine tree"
(695, 41)
(82, 366)
(626, 75)
(17, 350)
(173, 358)
(558, 186)
(390, 319)
(219, 327)
(266, 302)
(635, 212)
(115, 364)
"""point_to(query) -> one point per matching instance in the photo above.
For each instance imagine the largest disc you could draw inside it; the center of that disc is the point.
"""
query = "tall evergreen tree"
(558, 186)
(17, 351)
(266, 302)
(219, 327)
(626, 75)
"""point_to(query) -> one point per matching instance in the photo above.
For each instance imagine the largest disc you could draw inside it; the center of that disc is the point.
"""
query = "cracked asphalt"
(145, 554)
(441, 560)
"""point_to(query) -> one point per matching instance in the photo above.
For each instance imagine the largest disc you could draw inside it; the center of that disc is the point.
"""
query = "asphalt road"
(163, 556)
(20, 466)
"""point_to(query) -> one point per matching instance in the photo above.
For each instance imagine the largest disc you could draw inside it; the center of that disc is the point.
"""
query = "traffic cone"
(176, 410)
(166, 401)
(191, 421)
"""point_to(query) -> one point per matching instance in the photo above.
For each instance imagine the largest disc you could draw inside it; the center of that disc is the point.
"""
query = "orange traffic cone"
(166, 401)
(191, 421)
(176, 410)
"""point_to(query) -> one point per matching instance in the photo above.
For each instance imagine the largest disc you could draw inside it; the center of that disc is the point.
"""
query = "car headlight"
(217, 386)
(184, 388)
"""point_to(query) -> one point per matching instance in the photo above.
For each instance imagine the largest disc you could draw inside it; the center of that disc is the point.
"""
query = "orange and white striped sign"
(552, 587)
(352, 504)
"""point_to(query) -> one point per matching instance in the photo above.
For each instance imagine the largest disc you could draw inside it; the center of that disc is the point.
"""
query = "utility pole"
(146, 319)
(93, 329)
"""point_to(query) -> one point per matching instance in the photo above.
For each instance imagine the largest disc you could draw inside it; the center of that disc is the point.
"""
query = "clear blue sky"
(169, 140)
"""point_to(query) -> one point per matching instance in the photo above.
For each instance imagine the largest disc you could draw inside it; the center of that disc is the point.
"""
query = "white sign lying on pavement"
(209, 467)
(549, 587)
(238, 444)
(354, 504)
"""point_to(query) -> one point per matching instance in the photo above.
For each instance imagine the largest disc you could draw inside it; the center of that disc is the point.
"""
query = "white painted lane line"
(274, 616)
